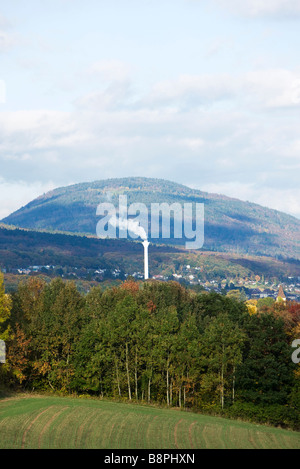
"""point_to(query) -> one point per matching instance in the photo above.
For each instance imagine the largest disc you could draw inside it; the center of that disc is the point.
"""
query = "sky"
(205, 93)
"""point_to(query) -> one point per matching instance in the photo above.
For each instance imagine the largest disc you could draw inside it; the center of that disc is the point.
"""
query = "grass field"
(68, 423)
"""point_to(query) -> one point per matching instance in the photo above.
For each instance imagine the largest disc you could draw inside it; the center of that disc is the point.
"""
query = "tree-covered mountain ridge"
(231, 225)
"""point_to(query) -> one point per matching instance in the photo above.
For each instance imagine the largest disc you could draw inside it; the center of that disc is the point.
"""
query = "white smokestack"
(146, 265)
(138, 230)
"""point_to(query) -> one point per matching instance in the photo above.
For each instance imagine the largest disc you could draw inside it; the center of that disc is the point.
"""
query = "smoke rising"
(130, 225)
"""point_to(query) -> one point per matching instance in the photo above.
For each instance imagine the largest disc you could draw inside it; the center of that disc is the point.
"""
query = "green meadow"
(37, 422)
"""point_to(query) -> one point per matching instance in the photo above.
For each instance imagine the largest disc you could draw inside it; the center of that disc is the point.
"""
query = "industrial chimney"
(146, 266)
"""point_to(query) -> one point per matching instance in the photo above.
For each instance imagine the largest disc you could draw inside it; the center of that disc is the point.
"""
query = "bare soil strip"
(49, 423)
(190, 434)
(175, 433)
(31, 424)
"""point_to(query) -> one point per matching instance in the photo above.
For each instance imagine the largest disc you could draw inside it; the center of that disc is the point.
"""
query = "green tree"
(265, 303)
(222, 344)
(266, 374)
(187, 359)
(92, 360)
(119, 322)
(208, 306)
(55, 329)
(167, 326)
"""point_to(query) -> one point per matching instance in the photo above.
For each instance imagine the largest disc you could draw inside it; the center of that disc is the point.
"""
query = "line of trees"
(154, 342)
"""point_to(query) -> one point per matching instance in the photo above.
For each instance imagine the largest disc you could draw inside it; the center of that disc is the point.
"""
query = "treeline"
(21, 248)
(154, 342)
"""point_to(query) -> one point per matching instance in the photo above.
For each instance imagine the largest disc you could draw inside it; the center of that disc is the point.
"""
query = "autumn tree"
(251, 306)
(18, 357)
(5, 329)
(5, 310)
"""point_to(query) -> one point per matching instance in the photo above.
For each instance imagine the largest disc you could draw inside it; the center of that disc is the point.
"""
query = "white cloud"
(166, 135)
(2, 92)
(218, 45)
(255, 8)
(4, 22)
(110, 70)
(6, 41)
(193, 144)
(231, 123)
(282, 199)
(274, 87)
(7, 38)
(114, 96)
(267, 88)
(191, 90)
(16, 194)
(30, 131)
(112, 82)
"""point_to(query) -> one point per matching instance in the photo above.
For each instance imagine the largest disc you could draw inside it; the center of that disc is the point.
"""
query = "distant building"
(281, 295)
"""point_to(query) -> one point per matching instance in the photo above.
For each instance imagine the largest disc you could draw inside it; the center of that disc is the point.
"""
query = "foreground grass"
(69, 423)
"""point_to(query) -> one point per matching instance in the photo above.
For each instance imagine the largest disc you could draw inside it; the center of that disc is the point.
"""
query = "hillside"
(231, 225)
(34, 422)
(26, 252)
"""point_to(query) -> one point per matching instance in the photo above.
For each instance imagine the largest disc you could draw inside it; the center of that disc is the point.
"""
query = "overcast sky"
(202, 92)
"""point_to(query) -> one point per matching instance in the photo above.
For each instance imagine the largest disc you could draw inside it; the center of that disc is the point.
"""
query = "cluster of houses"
(64, 272)
(289, 290)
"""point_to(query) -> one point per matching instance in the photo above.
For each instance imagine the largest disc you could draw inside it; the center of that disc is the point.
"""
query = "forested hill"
(231, 225)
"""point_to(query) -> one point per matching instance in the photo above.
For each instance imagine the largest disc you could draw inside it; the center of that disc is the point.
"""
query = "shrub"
(276, 415)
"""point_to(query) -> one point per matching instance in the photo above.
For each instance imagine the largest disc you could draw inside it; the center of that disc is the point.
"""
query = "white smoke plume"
(130, 225)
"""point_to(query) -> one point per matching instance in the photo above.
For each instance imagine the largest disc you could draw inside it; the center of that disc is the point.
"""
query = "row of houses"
(102, 273)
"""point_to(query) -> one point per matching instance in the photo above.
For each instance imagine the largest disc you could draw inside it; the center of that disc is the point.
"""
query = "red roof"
(281, 293)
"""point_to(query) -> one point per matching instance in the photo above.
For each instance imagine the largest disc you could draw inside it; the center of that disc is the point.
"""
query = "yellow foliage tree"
(251, 306)
(5, 307)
